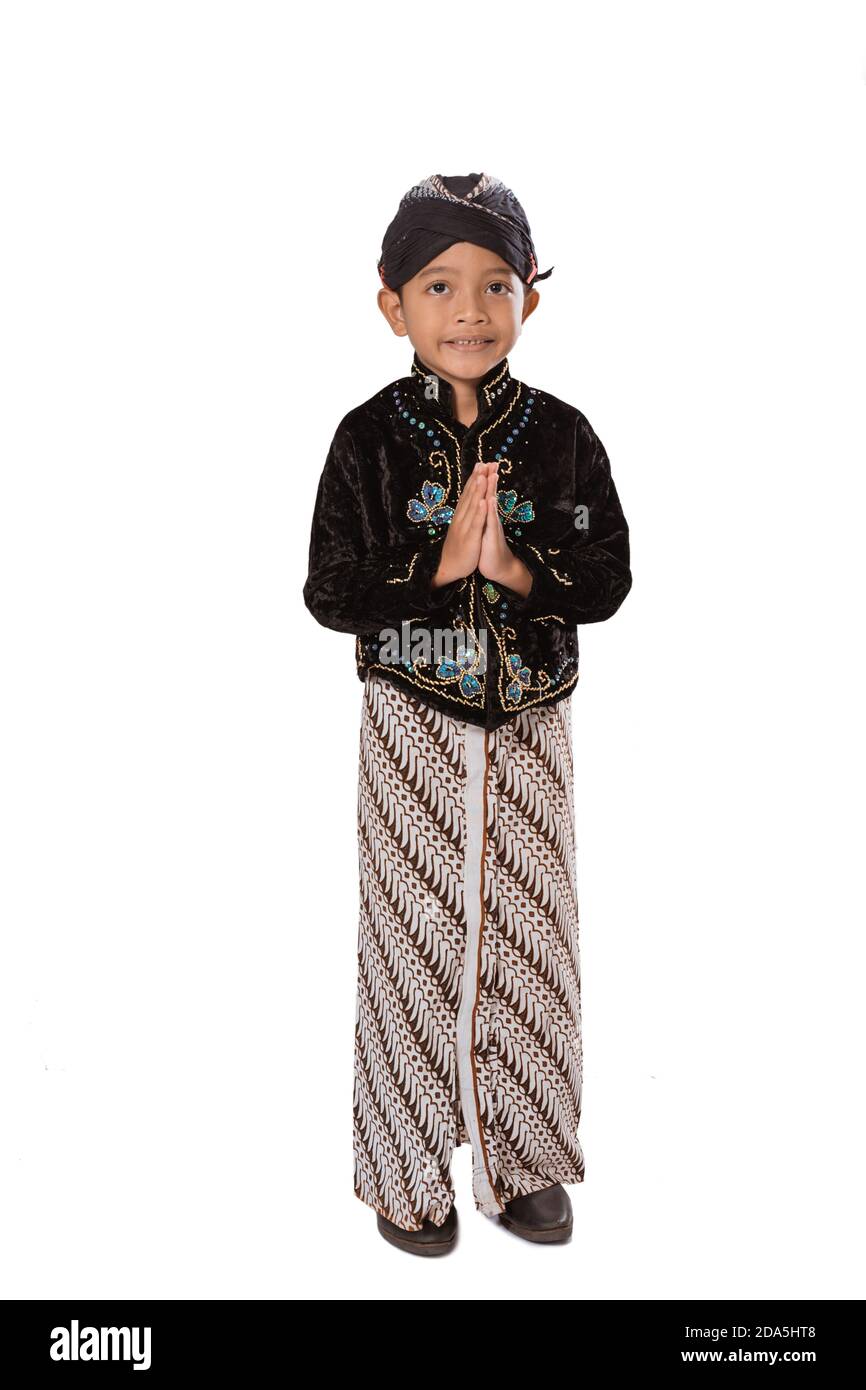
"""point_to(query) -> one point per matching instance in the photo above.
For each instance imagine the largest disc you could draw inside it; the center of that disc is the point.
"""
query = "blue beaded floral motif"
(522, 676)
(430, 507)
(511, 510)
(461, 670)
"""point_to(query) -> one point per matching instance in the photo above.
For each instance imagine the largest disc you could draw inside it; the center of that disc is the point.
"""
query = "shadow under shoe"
(545, 1217)
(430, 1240)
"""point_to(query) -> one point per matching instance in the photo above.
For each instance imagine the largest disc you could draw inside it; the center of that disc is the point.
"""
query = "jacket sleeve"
(583, 575)
(356, 585)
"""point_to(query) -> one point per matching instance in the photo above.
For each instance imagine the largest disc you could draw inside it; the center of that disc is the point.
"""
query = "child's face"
(464, 292)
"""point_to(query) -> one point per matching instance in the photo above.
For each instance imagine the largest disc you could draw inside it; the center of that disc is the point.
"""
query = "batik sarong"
(468, 1026)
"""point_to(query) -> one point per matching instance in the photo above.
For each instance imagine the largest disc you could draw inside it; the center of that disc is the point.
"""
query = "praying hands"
(476, 539)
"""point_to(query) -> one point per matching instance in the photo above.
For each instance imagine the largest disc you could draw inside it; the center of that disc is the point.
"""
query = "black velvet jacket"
(393, 474)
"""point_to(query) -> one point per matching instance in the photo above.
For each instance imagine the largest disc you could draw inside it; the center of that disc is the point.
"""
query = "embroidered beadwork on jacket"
(407, 411)
(404, 579)
(510, 510)
(430, 506)
(522, 674)
(521, 424)
(563, 578)
(483, 449)
(462, 668)
(506, 409)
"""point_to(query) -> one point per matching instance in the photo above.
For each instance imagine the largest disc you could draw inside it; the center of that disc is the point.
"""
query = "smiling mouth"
(468, 342)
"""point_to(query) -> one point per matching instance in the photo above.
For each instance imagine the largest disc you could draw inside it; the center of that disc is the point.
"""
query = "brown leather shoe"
(544, 1216)
(430, 1240)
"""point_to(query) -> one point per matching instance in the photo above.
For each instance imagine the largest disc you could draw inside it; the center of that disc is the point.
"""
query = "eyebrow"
(493, 270)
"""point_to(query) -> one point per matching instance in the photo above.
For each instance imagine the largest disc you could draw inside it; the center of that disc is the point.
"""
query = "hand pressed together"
(476, 539)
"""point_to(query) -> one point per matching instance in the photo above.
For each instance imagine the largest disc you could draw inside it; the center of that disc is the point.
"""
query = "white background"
(194, 200)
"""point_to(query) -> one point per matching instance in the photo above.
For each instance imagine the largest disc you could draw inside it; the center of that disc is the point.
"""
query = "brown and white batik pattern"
(468, 1026)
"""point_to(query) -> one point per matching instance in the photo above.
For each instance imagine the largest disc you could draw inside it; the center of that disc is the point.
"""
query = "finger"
(472, 490)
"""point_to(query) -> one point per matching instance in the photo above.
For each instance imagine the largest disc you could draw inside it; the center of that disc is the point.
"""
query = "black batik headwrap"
(442, 210)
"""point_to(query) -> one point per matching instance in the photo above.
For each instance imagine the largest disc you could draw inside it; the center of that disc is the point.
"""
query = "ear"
(529, 304)
(389, 304)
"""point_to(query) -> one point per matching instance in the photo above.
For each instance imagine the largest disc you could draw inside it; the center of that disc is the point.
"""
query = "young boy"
(464, 525)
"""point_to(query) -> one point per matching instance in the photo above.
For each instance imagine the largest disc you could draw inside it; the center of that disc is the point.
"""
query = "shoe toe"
(550, 1207)
(429, 1240)
(545, 1211)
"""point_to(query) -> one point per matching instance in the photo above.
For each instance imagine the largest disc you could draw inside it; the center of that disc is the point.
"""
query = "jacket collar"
(489, 390)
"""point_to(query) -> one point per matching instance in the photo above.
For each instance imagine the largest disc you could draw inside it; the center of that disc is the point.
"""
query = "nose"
(471, 318)
(470, 308)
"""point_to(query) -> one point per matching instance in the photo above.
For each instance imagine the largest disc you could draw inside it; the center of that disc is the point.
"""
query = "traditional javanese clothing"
(395, 469)
(443, 209)
(468, 1023)
(468, 1005)
(468, 999)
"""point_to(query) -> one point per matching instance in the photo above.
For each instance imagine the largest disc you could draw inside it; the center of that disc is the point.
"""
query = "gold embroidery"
(490, 385)
(404, 579)
(437, 458)
(560, 689)
(509, 410)
(563, 578)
